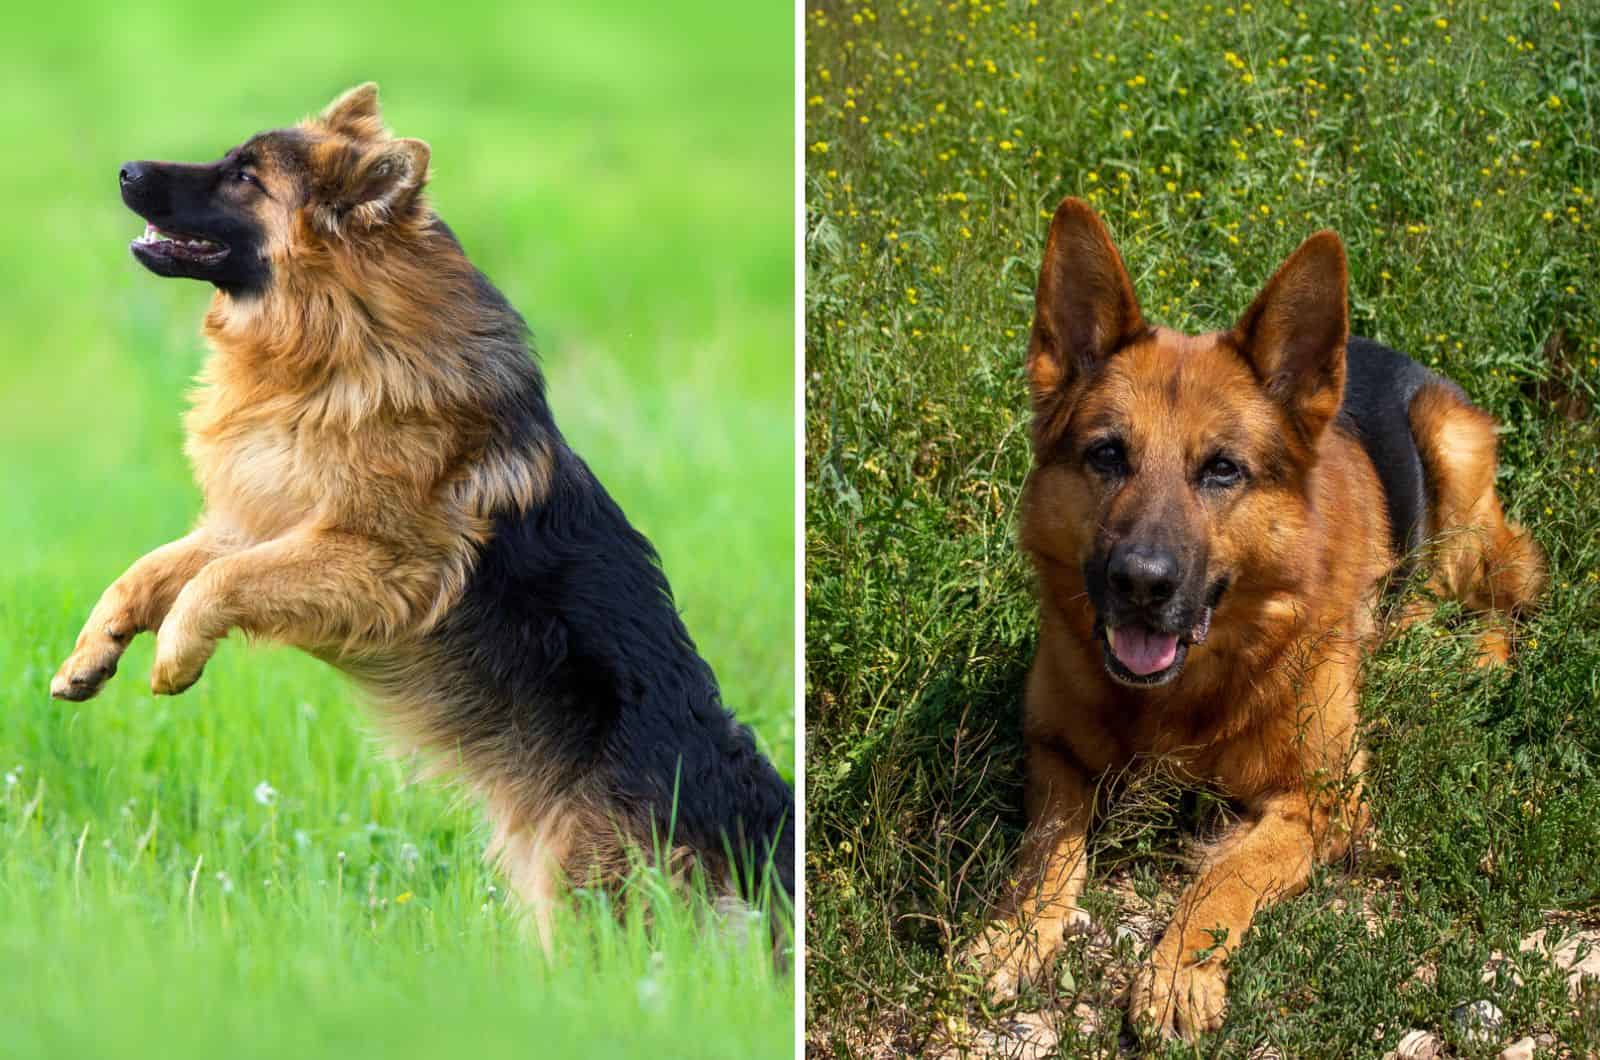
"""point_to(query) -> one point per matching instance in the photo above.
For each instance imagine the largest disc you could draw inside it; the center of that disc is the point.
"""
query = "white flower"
(266, 794)
(409, 856)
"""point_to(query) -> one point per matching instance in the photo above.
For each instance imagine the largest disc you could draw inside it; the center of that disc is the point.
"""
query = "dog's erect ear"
(377, 185)
(1294, 333)
(391, 173)
(1084, 306)
(355, 114)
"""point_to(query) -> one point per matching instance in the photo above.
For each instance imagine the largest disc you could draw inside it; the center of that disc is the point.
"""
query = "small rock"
(1088, 1019)
(1478, 1021)
(1371, 920)
(1139, 929)
(1521, 1049)
(1578, 955)
(1493, 966)
(1025, 1036)
(1417, 1045)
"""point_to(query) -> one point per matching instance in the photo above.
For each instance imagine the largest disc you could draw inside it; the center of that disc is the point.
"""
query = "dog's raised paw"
(80, 685)
(174, 679)
(87, 669)
(175, 671)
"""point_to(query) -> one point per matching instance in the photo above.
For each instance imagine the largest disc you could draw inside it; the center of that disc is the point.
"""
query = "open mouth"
(1139, 655)
(157, 243)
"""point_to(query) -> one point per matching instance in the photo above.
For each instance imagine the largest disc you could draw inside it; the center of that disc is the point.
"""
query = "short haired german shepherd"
(385, 488)
(1212, 519)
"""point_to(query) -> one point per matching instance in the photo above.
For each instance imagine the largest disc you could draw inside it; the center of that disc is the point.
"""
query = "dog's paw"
(1011, 955)
(1006, 956)
(92, 661)
(1169, 1000)
(179, 662)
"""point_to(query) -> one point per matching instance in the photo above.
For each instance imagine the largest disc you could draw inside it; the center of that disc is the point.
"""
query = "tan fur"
(338, 436)
(1477, 555)
(1266, 710)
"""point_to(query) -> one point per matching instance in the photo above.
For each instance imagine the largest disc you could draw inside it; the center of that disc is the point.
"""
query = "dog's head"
(333, 179)
(1169, 469)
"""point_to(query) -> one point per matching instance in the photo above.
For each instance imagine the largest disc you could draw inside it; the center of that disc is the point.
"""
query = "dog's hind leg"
(1478, 556)
(531, 850)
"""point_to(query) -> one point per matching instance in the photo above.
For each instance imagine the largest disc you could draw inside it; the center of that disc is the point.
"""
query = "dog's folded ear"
(1294, 333)
(355, 114)
(1084, 307)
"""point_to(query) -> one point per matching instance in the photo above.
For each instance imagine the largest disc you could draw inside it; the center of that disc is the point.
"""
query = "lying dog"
(1212, 519)
(385, 487)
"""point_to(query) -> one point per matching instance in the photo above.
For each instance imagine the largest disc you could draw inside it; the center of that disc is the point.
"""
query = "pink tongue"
(1141, 650)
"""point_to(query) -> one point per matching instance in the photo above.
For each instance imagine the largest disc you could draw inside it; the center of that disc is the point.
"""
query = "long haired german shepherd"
(1212, 519)
(385, 487)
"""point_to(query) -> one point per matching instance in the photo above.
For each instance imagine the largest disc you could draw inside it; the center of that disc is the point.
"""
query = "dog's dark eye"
(1107, 458)
(244, 176)
(1220, 473)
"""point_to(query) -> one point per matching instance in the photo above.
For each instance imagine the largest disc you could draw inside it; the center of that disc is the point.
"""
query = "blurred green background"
(625, 175)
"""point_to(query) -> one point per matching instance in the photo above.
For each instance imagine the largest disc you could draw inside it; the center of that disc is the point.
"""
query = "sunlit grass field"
(1453, 146)
(239, 871)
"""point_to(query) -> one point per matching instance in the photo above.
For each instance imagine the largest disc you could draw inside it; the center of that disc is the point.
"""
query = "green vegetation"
(1454, 148)
(625, 176)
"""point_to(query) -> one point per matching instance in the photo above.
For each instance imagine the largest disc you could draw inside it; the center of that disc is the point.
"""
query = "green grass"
(625, 176)
(1453, 145)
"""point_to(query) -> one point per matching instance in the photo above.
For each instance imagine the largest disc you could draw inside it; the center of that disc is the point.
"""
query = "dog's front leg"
(319, 588)
(1181, 990)
(136, 602)
(1017, 948)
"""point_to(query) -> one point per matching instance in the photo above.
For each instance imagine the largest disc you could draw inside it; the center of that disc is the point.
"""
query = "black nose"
(1143, 574)
(131, 173)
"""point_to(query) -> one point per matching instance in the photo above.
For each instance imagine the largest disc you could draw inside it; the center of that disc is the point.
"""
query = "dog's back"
(1379, 386)
(561, 680)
